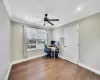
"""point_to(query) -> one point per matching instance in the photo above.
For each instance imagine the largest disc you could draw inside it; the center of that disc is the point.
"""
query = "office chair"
(47, 50)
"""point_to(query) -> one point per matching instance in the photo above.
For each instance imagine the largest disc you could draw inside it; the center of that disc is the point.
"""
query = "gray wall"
(17, 43)
(4, 41)
(89, 40)
(49, 36)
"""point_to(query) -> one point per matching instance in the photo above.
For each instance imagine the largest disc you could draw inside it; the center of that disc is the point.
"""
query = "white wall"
(55, 34)
(17, 43)
(49, 36)
(4, 41)
(89, 40)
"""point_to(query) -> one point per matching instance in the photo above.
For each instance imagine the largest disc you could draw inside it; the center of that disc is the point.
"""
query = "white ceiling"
(32, 11)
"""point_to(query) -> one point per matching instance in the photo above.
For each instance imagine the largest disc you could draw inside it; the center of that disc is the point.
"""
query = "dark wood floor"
(49, 69)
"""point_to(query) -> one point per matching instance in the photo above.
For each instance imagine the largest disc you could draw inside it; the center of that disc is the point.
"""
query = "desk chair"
(48, 51)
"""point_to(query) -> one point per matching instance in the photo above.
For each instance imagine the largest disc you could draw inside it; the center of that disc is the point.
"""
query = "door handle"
(64, 46)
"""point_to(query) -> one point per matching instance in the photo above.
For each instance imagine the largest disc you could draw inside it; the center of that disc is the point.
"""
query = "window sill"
(35, 49)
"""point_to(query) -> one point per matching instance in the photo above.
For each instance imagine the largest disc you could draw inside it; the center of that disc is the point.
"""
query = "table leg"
(54, 55)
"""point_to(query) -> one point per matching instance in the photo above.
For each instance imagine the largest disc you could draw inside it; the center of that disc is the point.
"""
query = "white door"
(71, 42)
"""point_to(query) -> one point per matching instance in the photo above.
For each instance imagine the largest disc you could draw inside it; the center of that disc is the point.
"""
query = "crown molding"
(7, 7)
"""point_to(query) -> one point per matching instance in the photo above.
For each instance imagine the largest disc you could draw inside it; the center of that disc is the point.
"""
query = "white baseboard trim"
(19, 61)
(70, 60)
(89, 68)
(26, 59)
(82, 65)
(8, 72)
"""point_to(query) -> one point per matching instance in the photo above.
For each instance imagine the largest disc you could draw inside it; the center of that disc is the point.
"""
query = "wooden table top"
(53, 48)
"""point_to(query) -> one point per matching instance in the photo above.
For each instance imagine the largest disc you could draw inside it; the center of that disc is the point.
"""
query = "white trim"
(82, 65)
(6, 3)
(8, 72)
(26, 59)
(31, 49)
(78, 28)
(22, 60)
(89, 68)
(35, 49)
(77, 47)
(69, 59)
(19, 61)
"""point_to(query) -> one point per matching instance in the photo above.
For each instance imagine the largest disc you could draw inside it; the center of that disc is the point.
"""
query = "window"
(41, 38)
(35, 38)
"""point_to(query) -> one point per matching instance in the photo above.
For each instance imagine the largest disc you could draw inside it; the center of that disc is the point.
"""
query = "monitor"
(54, 43)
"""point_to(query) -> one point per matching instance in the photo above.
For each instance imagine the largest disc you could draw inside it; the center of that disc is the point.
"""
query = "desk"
(53, 49)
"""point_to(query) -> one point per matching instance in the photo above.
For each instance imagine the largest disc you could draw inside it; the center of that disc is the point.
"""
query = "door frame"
(78, 42)
(78, 45)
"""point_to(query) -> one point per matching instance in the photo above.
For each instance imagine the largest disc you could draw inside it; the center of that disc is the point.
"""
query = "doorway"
(71, 43)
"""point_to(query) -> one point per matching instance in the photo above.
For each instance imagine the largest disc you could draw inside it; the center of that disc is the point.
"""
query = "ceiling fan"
(46, 19)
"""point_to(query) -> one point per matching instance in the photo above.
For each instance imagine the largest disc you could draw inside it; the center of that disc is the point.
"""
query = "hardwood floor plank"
(49, 69)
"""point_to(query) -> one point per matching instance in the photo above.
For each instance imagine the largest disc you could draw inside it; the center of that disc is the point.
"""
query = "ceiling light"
(79, 8)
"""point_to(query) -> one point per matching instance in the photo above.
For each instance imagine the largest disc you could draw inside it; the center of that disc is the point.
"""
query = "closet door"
(71, 42)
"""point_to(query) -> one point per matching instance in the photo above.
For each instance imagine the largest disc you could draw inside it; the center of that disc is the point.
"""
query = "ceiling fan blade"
(50, 23)
(53, 19)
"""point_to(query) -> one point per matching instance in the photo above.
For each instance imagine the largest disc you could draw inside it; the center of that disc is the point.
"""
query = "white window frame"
(37, 47)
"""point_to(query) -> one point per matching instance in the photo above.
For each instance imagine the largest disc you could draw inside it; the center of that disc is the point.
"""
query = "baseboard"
(19, 61)
(36, 56)
(22, 60)
(82, 65)
(8, 72)
(89, 68)
(68, 59)
(26, 59)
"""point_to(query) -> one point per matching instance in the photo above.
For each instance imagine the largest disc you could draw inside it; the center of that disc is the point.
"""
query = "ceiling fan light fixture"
(46, 19)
